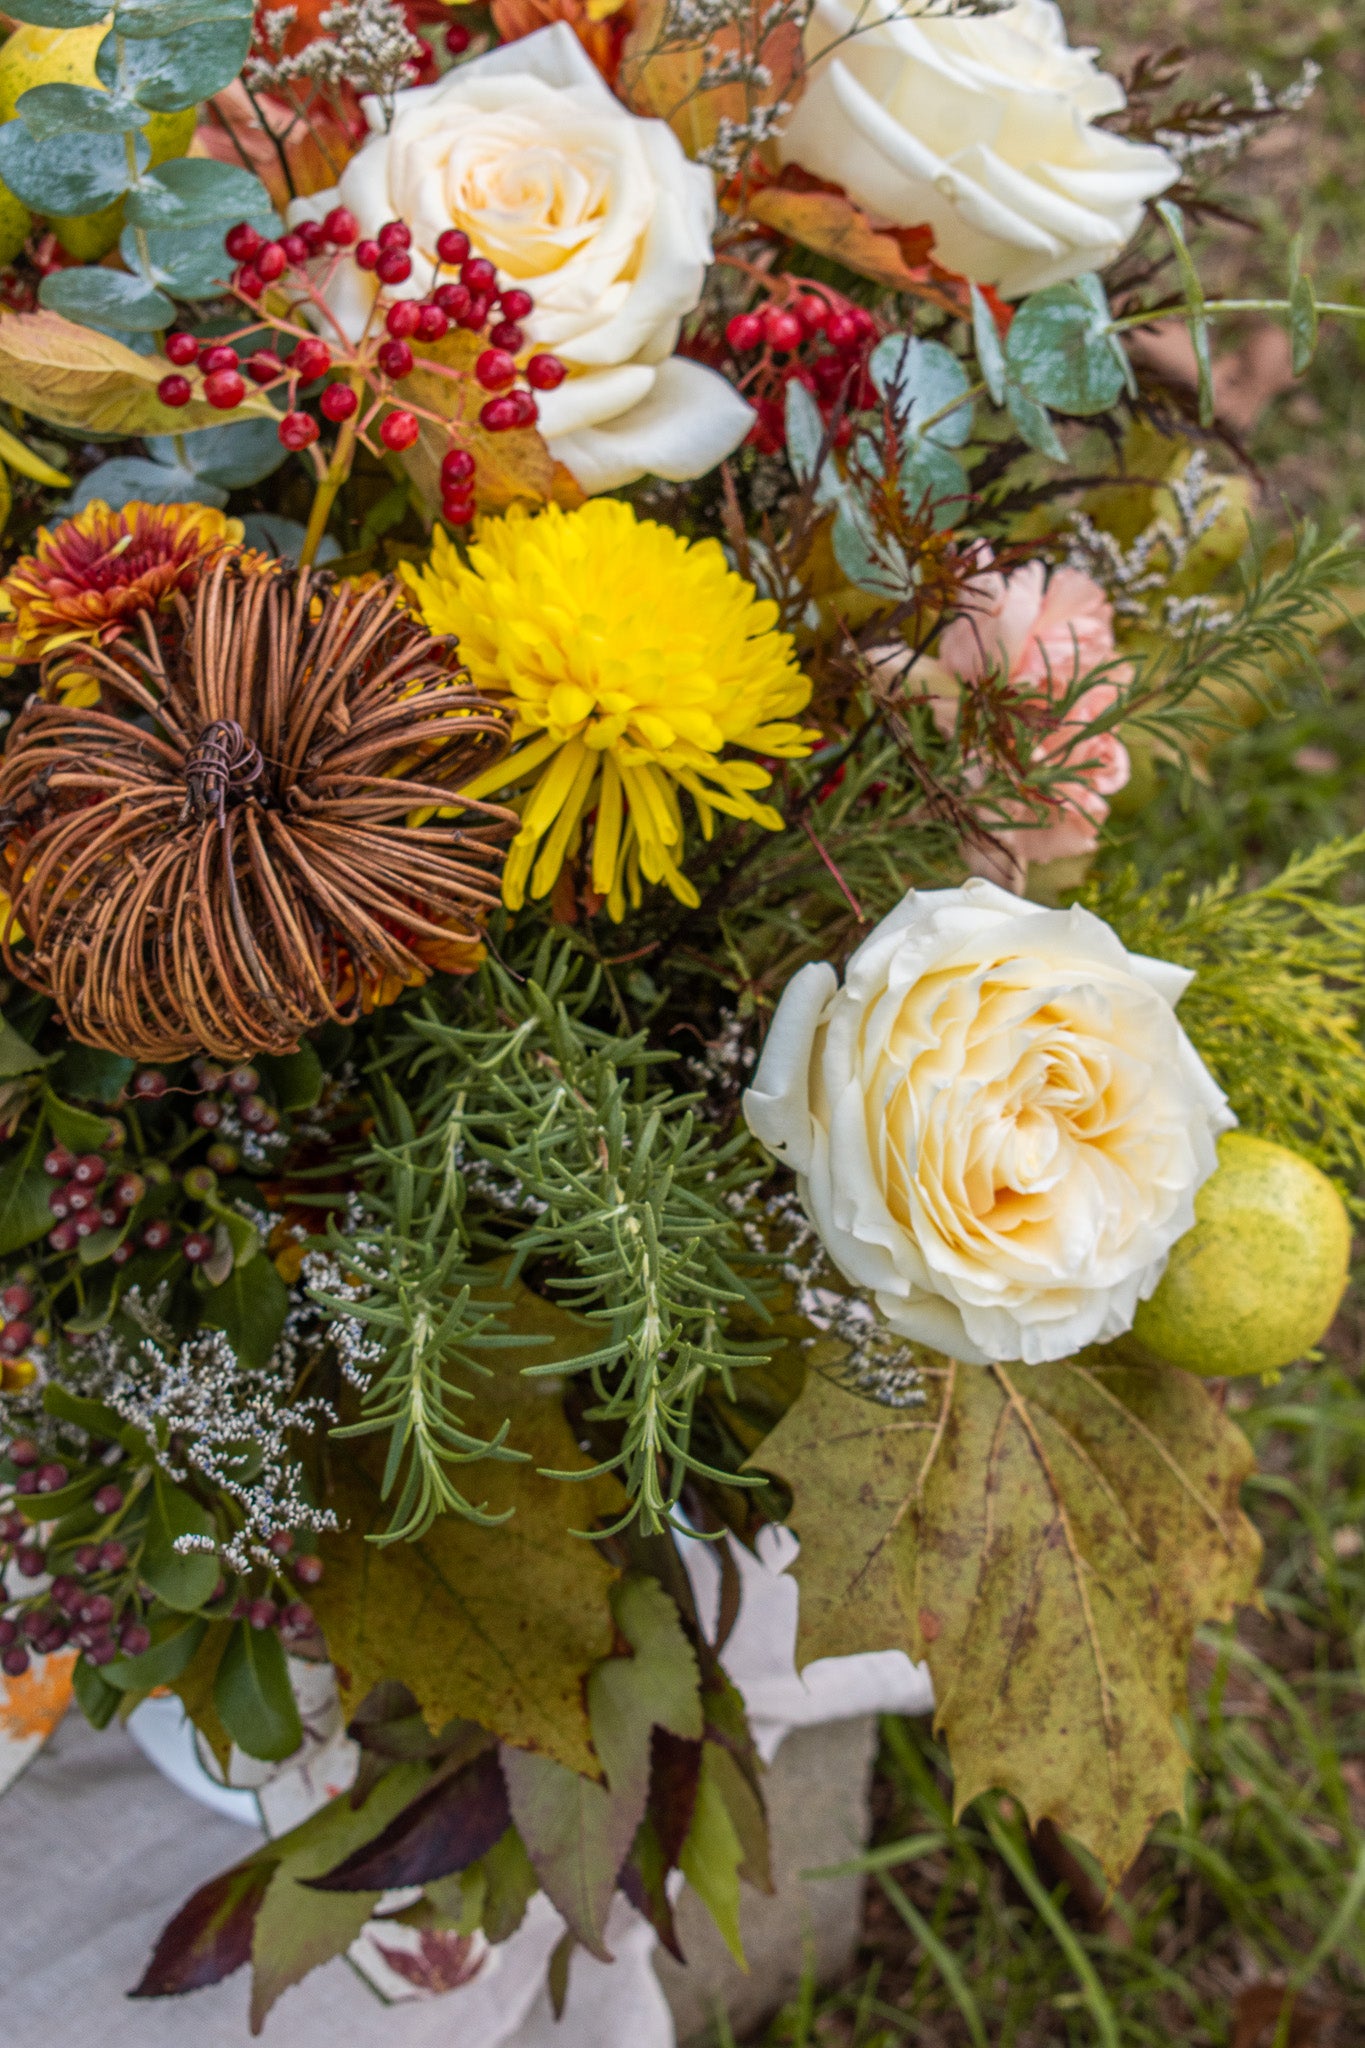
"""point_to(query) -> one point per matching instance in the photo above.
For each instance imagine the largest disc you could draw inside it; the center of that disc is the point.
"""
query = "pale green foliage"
(1277, 1005)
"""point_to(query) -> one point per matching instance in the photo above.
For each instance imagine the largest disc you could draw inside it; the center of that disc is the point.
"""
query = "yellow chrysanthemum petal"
(631, 660)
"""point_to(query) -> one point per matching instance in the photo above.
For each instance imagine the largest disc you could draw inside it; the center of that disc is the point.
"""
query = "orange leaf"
(663, 78)
(513, 468)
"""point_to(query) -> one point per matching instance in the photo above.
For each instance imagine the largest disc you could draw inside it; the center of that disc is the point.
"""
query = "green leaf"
(871, 562)
(1194, 295)
(930, 472)
(95, 1417)
(1303, 323)
(297, 1928)
(254, 1698)
(990, 355)
(1062, 349)
(295, 1077)
(48, 110)
(1032, 421)
(176, 68)
(160, 18)
(509, 1885)
(713, 1853)
(184, 1579)
(24, 1213)
(496, 1625)
(97, 1699)
(920, 378)
(81, 1130)
(805, 430)
(166, 1660)
(1048, 1537)
(188, 263)
(106, 299)
(249, 1308)
(16, 1054)
(58, 13)
(197, 192)
(85, 1070)
(66, 174)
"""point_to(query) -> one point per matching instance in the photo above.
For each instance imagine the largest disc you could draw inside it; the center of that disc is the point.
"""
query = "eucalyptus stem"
(1189, 313)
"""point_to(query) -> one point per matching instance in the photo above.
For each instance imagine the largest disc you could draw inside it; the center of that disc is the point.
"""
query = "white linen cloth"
(101, 1849)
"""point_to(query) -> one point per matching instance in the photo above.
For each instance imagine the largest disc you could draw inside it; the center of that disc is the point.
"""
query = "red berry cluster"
(820, 342)
(86, 1199)
(383, 357)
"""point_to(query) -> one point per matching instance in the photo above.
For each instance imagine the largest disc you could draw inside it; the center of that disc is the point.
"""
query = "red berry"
(264, 367)
(367, 254)
(528, 412)
(15, 1337)
(403, 319)
(60, 1163)
(181, 349)
(115, 1135)
(86, 1558)
(457, 511)
(30, 1560)
(782, 329)
(310, 359)
(515, 304)
(507, 335)
(545, 373)
(157, 1234)
(197, 1247)
(23, 1451)
(398, 431)
(84, 1226)
(456, 468)
(64, 1237)
(458, 39)
(434, 323)
(89, 1170)
(453, 300)
(744, 332)
(270, 261)
(341, 227)
(122, 1253)
(830, 374)
(149, 1082)
(78, 1200)
(129, 1189)
(475, 313)
(308, 1570)
(295, 247)
(249, 281)
(18, 1299)
(811, 312)
(338, 402)
(394, 358)
(242, 242)
(110, 1217)
(244, 1080)
(499, 414)
(297, 1618)
(98, 1609)
(479, 274)
(494, 369)
(311, 234)
(394, 266)
(262, 1614)
(842, 331)
(134, 1638)
(174, 391)
(225, 389)
(15, 1662)
(52, 1478)
(296, 430)
(452, 246)
(395, 234)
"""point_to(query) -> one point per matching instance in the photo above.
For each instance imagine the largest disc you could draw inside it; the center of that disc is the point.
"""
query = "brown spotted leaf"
(1048, 1538)
(496, 1625)
(76, 378)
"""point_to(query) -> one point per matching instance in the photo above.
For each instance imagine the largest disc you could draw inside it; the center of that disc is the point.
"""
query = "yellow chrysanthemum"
(632, 659)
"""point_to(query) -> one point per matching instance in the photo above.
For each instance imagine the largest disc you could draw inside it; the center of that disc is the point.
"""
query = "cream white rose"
(595, 212)
(981, 126)
(998, 1126)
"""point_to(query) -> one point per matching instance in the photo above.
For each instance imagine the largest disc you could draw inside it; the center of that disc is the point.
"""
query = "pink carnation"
(1044, 635)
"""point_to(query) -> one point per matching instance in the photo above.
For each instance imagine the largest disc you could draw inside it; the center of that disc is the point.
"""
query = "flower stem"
(335, 475)
(1160, 313)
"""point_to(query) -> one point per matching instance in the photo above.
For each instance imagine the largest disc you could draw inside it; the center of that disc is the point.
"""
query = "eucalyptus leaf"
(191, 192)
(870, 562)
(805, 430)
(131, 479)
(1062, 349)
(188, 263)
(285, 537)
(929, 472)
(1033, 421)
(108, 299)
(67, 174)
(159, 18)
(64, 109)
(230, 457)
(990, 355)
(919, 379)
(58, 13)
(178, 70)
(1174, 223)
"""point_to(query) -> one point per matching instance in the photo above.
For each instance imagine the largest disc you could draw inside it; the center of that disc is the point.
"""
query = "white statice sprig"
(1221, 144)
(1133, 576)
(366, 45)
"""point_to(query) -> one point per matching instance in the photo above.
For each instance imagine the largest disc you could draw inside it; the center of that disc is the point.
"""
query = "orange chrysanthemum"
(88, 578)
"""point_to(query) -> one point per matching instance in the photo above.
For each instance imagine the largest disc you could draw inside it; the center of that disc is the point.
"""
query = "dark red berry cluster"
(816, 339)
(86, 1198)
(386, 353)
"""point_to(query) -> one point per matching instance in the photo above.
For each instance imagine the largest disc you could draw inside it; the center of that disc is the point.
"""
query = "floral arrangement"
(593, 593)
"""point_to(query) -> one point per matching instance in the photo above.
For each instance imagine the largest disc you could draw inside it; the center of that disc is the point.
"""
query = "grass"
(1243, 1923)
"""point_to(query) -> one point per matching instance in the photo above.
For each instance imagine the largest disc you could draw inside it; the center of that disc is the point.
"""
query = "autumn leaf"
(513, 468)
(87, 382)
(496, 1625)
(1048, 1538)
(661, 76)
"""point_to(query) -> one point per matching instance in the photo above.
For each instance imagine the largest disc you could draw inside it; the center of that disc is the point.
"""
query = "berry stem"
(332, 479)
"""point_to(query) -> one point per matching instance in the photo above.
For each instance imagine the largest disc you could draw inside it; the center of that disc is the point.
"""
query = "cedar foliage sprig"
(1277, 1005)
(527, 1131)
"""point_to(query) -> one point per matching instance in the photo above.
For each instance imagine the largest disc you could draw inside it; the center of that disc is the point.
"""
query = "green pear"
(1259, 1278)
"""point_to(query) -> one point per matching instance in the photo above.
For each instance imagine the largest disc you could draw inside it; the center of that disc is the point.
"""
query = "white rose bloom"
(980, 126)
(596, 213)
(998, 1125)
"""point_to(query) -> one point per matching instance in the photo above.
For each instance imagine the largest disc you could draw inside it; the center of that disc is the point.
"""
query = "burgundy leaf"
(443, 1961)
(210, 1936)
(674, 1774)
(446, 1828)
